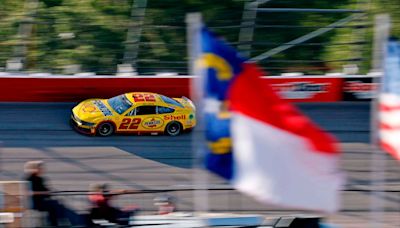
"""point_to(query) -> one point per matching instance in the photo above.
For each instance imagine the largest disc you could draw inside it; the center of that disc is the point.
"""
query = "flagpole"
(200, 180)
(381, 36)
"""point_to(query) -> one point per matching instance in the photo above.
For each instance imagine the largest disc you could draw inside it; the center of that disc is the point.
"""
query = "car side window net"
(131, 113)
(145, 110)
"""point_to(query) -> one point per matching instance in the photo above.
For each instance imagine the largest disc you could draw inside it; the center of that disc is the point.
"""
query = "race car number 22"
(144, 97)
(128, 123)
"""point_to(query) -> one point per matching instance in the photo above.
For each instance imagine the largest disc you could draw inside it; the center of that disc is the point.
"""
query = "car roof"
(157, 100)
(131, 96)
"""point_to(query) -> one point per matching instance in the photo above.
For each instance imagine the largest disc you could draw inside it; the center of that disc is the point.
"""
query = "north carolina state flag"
(262, 144)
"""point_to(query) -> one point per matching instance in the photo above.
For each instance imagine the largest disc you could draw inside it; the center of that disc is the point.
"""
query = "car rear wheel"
(173, 129)
(105, 129)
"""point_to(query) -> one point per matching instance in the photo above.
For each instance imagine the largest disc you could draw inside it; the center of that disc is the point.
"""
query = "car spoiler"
(189, 101)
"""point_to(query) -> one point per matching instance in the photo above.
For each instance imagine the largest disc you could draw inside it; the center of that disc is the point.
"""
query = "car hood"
(91, 109)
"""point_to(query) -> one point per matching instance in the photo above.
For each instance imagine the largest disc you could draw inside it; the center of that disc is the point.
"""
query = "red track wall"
(62, 89)
(77, 89)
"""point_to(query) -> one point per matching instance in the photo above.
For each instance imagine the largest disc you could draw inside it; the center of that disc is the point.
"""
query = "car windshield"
(171, 101)
(120, 103)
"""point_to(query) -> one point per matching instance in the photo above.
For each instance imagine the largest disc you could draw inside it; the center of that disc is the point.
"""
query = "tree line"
(96, 35)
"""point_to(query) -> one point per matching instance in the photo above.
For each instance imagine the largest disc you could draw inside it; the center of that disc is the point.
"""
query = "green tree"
(93, 33)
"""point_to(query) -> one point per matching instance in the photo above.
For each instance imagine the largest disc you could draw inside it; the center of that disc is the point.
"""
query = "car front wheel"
(105, 129)
(173, 129)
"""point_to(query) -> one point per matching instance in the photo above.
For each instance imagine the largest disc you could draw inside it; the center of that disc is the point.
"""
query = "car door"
(143, 118)
(151, 121)
(130, 122)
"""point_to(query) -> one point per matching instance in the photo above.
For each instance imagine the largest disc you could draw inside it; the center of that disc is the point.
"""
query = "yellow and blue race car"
(137, 112)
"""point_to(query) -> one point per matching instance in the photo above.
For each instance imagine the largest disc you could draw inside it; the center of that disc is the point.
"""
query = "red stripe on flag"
(389, 108)
(390, 149)
(252, 97)
(384, 126)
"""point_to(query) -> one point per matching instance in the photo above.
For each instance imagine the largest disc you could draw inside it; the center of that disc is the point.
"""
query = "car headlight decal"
(76, 119)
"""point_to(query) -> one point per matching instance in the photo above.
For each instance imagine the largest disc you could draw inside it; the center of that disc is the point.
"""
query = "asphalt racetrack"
(41, 131)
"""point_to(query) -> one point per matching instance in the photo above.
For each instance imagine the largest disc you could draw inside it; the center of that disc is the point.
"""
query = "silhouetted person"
(42, 201)
(100, 198)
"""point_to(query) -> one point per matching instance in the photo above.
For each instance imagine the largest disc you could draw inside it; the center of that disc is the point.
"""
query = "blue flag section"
(391, 80)
(219, 145)
(220, 65)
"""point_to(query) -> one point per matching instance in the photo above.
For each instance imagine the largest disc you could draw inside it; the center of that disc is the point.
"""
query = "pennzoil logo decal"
(152, 123)
(102, 108)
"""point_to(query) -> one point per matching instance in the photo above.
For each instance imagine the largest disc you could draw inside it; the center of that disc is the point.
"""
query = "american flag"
(389, 105)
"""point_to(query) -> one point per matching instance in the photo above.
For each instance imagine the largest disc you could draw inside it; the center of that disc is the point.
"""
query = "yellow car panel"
(137, 112)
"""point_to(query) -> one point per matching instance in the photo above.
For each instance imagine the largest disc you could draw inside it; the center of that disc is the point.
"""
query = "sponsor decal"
(313, 89)
(362, 89)
(175, 117)
(300, 90)
(88, 108)
(103, 108)
(152, 123)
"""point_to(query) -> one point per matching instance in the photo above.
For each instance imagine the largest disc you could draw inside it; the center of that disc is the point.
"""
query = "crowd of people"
(99, 199)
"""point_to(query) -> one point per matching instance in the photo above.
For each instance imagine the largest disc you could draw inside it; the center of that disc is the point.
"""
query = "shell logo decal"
(152, 123)
(89, 108)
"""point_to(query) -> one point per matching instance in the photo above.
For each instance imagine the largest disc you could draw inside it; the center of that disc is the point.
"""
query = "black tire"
(105, 129)
(173, 129)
